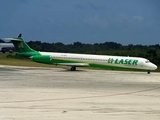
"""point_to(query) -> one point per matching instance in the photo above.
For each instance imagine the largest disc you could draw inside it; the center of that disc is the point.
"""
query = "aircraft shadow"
(67, 70)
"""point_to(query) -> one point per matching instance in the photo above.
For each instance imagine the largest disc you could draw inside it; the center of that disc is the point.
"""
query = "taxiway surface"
(56, 94)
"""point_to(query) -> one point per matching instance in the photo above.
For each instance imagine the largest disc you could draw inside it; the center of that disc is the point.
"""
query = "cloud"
(96, 7)
(95, 20)
(79, 6)
(138, 18)
(89, 6)
(121, 21)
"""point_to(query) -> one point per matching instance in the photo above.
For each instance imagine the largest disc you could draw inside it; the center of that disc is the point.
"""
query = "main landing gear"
(148, 71)
(73, 68)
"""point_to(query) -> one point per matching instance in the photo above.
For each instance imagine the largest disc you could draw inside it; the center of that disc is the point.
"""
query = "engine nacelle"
(41, 58)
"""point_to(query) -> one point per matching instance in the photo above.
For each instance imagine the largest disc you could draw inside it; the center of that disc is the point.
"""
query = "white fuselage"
(6, 45)
(117, 61)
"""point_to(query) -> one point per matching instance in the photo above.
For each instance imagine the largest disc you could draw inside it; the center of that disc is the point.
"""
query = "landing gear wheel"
(73, 68)
(149, 72)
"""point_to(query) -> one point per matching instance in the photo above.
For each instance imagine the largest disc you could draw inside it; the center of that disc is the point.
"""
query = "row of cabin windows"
(82, 58)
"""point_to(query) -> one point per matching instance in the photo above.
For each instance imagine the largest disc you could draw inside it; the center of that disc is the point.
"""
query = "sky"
(87, 21)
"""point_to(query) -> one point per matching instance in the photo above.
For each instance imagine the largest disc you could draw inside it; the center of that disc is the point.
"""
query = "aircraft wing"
(74, 64)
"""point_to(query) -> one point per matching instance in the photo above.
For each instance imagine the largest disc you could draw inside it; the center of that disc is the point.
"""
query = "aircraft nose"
(154, 67)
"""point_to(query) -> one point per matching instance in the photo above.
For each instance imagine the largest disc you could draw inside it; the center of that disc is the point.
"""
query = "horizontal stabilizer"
(15, 39)
(74, 64)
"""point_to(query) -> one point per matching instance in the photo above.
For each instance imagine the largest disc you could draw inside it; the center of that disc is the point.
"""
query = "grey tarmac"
(30, 93)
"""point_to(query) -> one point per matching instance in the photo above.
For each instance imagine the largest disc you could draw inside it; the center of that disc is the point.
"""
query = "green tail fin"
(22, 47)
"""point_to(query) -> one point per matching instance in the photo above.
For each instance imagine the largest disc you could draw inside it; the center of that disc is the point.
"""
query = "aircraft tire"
(73, 68)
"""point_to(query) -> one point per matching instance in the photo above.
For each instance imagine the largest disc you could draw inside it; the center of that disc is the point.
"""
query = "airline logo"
(123, 61)
(20, 45)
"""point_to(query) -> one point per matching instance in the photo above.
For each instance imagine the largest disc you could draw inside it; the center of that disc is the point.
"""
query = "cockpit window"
(147, 61)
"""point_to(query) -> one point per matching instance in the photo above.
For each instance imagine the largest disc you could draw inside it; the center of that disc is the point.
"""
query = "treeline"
(151, 52)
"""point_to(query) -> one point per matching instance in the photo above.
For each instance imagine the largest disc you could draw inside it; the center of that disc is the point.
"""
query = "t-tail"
(22, 48)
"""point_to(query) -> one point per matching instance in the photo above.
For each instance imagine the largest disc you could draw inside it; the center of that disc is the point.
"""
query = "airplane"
(5, 46)
(81, 60)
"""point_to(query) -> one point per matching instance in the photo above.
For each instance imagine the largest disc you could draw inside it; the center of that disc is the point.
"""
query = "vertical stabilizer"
(22, 47)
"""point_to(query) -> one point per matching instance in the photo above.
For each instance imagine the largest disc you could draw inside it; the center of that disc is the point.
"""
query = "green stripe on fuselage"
(101, 65)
